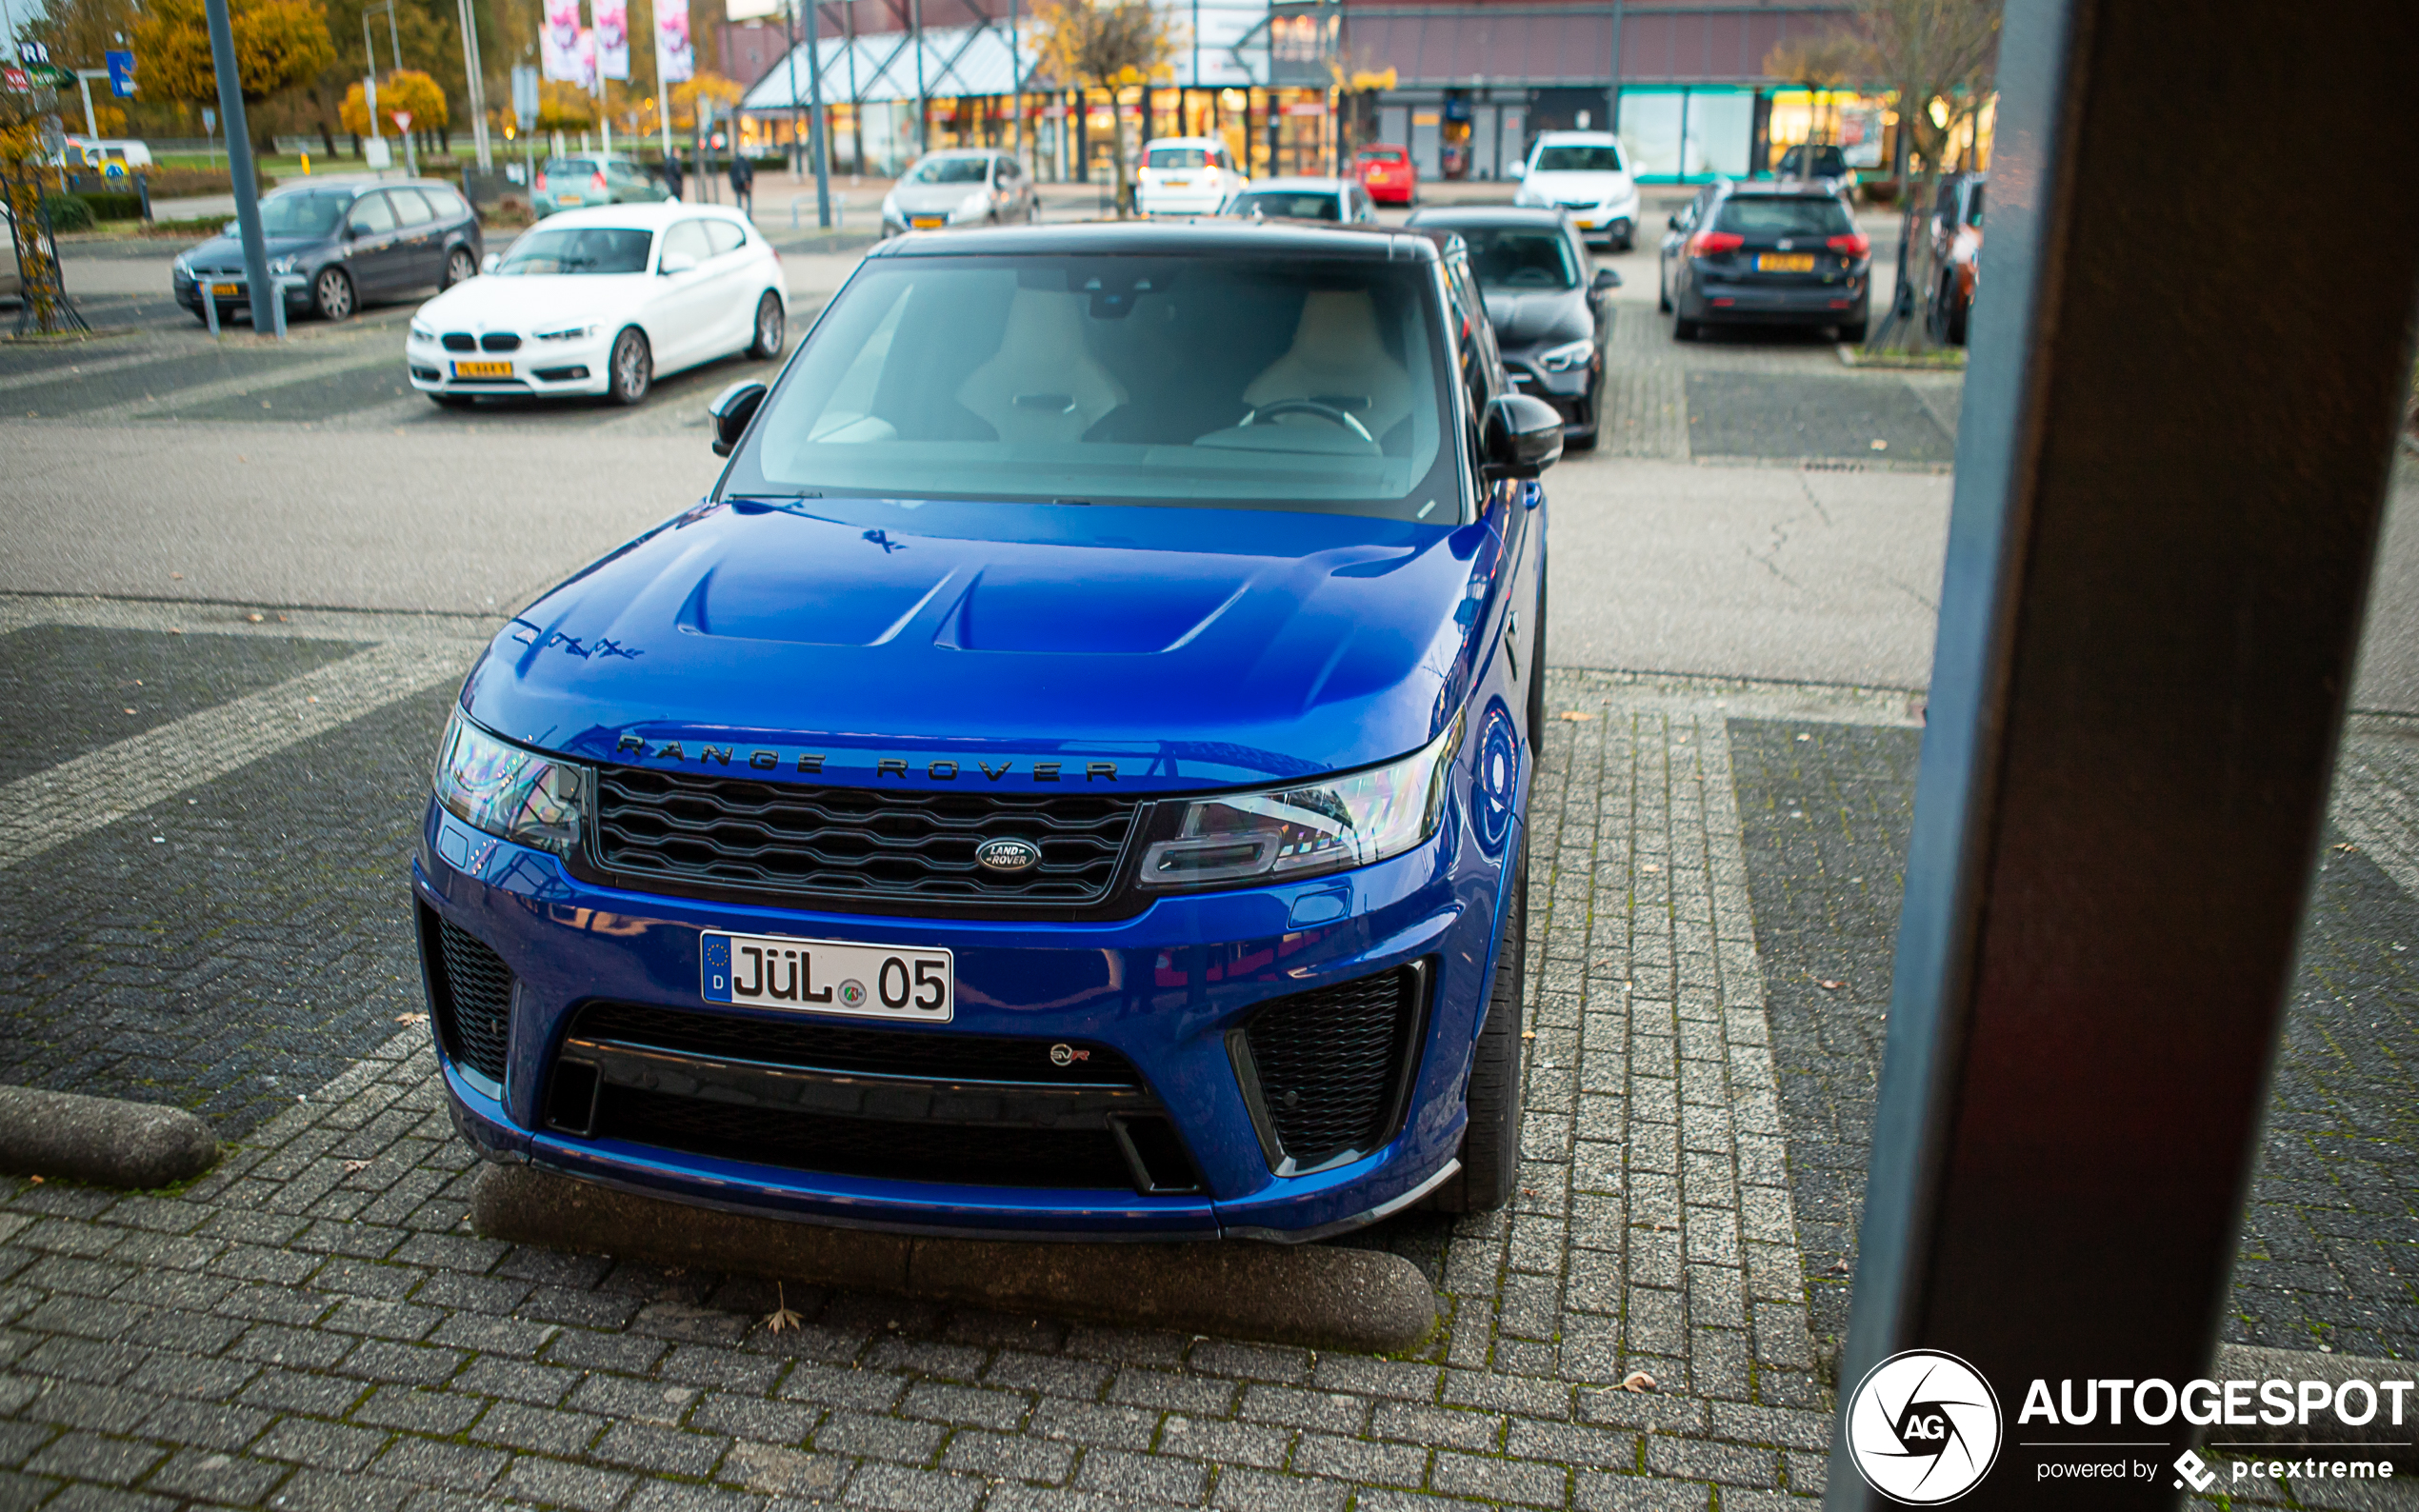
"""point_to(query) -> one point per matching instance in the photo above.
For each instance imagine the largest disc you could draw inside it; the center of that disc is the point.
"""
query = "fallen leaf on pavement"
(782, 1317)
(1529, 1034)
(356, 1165)
(1831, 984)
(35, 1179)
(411, 1018)
(1637, 1380)
(1879, 445)
(1576, 716)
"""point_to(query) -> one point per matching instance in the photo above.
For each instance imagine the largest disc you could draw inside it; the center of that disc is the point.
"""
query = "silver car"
(1340, 200)
(960, 187)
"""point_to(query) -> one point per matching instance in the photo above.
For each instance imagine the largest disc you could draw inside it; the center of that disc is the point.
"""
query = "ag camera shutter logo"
(1924, 1428)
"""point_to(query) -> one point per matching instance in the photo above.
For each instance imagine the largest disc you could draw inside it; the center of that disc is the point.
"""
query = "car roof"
(1457, 216)
(1299, 184)
(1381, 146)
(317, 183)
(1579, 138)
(1227, 235)
(959, 151)
(1781, 188)
(1182, 141)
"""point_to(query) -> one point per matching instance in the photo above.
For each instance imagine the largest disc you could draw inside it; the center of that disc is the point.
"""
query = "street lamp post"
(262, 291)
(474, 86)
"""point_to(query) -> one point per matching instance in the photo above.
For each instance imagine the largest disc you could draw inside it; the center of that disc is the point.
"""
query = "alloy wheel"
(334, 294)
(633, 371)
(459, 267)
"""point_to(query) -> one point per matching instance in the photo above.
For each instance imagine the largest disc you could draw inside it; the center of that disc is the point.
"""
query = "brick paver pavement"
(313, 1324)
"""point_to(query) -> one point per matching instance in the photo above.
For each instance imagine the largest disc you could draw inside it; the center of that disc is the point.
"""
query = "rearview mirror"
(676, 263)
(732, 410)
(1606, 278)
(1523, 436)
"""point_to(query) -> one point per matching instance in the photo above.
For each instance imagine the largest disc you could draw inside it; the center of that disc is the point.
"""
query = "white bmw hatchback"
(603, 301)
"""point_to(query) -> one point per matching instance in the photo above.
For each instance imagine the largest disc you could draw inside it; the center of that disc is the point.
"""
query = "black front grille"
(937, 1056)
(848, 1146)
(470, 991)
(870, 844)
(1331, 1063)
(460, 341)
(499, 341)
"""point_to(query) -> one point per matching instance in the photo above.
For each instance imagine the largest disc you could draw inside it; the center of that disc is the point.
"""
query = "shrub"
(68, 213)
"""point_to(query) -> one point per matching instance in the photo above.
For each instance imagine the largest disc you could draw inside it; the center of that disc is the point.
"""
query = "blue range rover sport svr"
(1066, 780)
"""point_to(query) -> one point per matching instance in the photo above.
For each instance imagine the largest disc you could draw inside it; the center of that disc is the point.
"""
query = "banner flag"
(675, 60)
(612, 37)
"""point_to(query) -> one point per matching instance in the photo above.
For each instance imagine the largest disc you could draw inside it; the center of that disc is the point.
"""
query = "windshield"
(1974, 207)
(578, 249)
(1820, 161)
(1234, 382)
(1379, 155)
(1578, 159)
(948, 170)
(1284, 206)
(302, 214)
(571, 167)
(1773, 215)
(1523, 258)
(1178, 158)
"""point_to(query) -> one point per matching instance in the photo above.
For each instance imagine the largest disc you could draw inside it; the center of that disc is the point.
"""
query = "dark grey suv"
(1548, 309)
(335, 247)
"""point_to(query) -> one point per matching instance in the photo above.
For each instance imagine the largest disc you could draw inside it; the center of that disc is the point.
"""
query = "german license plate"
(1784, 262)
(828, 976)
(928, 222)
(226, 290)
(482, 370)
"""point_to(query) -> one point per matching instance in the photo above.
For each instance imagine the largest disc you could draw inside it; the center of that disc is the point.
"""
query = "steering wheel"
(1310, 407)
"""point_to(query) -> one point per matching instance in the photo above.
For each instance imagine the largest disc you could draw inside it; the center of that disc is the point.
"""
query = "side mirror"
(676, 263)
(1672, 221)
(1523, 436)
(732, 410)
(1520, 171)
(1606, 279)
(488, 264)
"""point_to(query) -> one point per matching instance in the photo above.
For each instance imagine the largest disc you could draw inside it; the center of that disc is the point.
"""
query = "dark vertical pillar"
(2177, 429)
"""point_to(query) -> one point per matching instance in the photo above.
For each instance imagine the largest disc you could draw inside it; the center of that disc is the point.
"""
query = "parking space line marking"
(2374, 803)
(63, 802)
(84, 370)
(231, 388)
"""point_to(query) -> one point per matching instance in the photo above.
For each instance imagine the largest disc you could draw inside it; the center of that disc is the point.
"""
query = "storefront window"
(1717, 133)
(1650, 132)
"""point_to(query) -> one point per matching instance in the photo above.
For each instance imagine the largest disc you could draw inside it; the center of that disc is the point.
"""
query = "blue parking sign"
(121, 65)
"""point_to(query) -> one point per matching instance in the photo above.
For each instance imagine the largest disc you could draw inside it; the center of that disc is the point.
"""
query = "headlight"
(181, 267)
(1567, 356)
(281, 264)
(420, 333)
(1281, 834)
(567, 333)
(529, 799)
(978, 203)
(891, 209)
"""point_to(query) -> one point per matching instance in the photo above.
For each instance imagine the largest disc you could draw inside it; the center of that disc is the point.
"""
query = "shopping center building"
(1295, 85)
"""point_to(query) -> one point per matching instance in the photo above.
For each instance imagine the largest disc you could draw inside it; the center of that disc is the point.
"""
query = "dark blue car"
(1066, 780)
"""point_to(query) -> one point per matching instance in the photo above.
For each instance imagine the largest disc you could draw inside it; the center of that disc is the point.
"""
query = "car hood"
(227, 251)
(1576, 189)
(534, 303)
(1523, 317)
(931, 199)
(1182, 648)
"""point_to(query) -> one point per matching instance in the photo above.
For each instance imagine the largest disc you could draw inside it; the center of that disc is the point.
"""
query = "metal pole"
(262, 291)
(370, 85)
(816, 144)
(474, 86)
(1016, 90)
(922, 105)
(2161, 541)
(856, 101)
(789, 29)
(1612, 91)
(83, 81)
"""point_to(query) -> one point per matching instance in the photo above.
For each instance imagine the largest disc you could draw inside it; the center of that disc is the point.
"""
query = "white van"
(99, 151)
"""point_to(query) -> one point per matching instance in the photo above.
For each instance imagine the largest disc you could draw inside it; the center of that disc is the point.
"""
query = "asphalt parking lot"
(243, 584)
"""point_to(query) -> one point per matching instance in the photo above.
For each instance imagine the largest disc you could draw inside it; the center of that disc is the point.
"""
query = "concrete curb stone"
(1316, 1295)
(101, 1139)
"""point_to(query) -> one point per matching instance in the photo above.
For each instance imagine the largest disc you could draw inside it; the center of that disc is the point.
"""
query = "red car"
(1387, 172)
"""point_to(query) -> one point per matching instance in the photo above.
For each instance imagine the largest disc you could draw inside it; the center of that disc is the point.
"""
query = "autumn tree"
(278, 45)
(1940, 58)
(42, 309)
(405, 89)
(723, 92)
(563, 105)
(1092, 45)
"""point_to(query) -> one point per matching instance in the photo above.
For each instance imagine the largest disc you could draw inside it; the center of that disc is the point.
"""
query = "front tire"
(772, 328)
(1855, 335)
(460, 267)
(632, 371)
(331, 293)
(1490, 1141)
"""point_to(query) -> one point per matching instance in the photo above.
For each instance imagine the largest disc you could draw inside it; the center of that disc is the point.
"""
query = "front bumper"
(580, 366)
(294, 287)
(1166, 988)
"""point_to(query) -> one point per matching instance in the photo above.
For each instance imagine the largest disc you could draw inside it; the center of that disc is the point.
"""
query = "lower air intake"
(1332, 1067)
(471, 995)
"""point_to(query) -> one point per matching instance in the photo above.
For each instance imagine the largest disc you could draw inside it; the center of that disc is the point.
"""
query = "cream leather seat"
(1337, 359)
(1042, 384)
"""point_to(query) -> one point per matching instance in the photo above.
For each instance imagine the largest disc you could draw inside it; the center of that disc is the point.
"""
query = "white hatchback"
(603, 301)
(1186, 175)
(1587, 175)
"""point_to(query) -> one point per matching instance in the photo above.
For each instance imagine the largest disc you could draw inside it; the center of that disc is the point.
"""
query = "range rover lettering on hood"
(940, 769)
